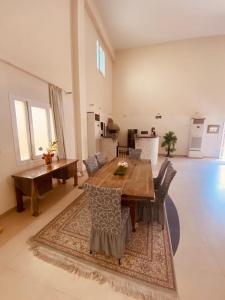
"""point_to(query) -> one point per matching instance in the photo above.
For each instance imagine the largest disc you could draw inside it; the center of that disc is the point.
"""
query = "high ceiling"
(134, 23)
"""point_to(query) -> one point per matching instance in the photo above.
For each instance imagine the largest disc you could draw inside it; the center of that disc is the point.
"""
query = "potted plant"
(169, 142)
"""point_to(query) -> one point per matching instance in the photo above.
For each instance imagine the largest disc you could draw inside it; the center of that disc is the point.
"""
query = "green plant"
(169, 142)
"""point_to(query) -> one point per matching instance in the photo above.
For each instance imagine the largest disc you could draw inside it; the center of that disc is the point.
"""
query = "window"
(100, 58)
(32, 128)
(22, 129)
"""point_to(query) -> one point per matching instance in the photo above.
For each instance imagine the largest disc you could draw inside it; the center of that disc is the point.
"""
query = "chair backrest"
(134, 153)
(91, 165)
(159, 178)
(101, 159)
(164, 187)
(105, 205)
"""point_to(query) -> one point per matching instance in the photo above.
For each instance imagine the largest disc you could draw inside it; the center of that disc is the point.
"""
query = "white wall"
(35, 35)
(99, 88)
(176, 80)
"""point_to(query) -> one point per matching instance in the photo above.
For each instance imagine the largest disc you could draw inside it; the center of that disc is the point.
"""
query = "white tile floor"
(198, 191)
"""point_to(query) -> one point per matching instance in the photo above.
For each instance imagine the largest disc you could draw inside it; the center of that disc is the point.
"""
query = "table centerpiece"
(122, 168)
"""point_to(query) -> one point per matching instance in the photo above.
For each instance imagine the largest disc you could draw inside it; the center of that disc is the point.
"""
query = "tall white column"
(79, 77)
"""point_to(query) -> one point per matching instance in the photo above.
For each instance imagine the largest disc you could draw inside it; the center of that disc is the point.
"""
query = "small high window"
(100, 58)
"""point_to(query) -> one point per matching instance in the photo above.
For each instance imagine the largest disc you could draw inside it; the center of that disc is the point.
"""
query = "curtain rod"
(31, 74)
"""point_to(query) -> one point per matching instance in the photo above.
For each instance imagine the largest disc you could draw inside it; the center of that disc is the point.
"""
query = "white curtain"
(55, 97)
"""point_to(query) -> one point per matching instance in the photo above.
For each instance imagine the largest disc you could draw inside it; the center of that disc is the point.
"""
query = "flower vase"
(48, 160)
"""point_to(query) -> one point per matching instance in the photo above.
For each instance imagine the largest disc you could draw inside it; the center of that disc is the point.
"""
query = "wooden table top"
(43, 169)
(137, 183)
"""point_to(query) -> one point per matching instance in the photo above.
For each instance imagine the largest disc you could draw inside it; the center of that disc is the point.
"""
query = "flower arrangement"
(49, 153)
(123, 164)
(122, 167)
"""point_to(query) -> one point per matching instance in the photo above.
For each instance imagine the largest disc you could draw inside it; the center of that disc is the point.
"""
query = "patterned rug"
(146, 271)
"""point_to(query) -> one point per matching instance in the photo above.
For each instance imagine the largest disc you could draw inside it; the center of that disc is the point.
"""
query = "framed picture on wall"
(213, 128)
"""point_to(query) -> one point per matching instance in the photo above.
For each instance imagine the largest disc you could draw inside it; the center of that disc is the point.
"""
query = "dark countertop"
(146, 137)
(106, 137)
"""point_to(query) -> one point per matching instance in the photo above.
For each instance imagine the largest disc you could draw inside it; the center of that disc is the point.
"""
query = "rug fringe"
(125, 286)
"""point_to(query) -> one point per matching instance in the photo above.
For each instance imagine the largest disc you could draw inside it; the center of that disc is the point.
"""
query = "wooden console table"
(38, 180)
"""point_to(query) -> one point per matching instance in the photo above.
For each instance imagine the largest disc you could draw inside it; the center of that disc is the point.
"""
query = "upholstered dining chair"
(146, 208)
(111, 224)
(159, 178)
(91, 165)
(160, 195)
(134, 153)
(101, 159)
(143, 212)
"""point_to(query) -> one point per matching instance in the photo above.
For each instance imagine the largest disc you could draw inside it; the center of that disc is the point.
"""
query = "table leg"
(19, 200)
(34, 200)
(75, 180)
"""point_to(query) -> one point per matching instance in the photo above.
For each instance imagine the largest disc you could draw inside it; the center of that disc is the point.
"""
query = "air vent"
(196, 143)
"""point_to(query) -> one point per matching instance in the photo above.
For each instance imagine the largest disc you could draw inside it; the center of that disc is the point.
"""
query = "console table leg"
(34, 200)
(19, 200)
(75, 180)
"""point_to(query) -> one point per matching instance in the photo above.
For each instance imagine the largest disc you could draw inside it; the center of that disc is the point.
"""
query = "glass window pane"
(40, 129)
(102, 61)
(97, 54)
(22, 129)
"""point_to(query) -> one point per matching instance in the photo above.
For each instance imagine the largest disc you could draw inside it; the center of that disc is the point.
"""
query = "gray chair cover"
(147, 210)
(111, 223)
(159, 178)
(134, 153)
(143, 212)
(157, 207)
(91, 165)
(101, 159)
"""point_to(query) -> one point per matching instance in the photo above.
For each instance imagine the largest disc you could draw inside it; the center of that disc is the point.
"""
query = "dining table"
(136, 184)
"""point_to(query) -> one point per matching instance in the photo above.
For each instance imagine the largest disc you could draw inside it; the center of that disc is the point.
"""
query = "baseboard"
(173, 155)
(6, 213)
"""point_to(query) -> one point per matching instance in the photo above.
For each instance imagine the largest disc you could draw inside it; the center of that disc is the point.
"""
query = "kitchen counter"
(108, 146)
(149, 146)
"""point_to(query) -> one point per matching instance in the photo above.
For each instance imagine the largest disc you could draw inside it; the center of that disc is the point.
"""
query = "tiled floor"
(198, 191)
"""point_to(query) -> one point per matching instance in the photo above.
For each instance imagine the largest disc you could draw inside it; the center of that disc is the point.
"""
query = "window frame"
(29, 104)
(13, 98)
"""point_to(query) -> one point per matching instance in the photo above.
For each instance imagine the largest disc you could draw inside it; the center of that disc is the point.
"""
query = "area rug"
(146, 270)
